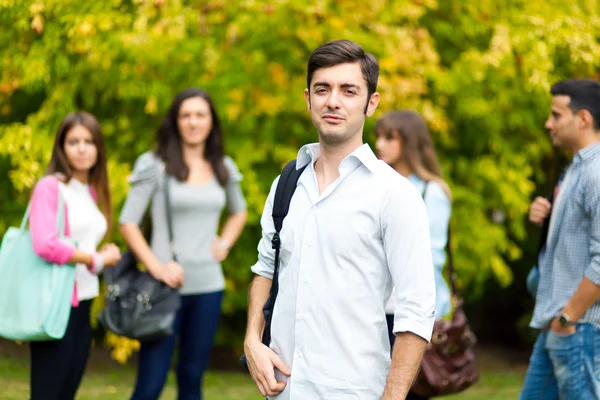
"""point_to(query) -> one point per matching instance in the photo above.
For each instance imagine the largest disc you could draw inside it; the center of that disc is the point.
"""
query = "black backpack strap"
(281, 205)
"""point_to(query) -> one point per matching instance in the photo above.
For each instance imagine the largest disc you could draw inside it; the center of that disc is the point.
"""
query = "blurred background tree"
(479, 72)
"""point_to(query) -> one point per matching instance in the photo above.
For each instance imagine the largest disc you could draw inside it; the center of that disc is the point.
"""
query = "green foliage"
(479, 72)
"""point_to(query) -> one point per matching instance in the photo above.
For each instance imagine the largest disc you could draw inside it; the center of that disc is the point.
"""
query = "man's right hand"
(539, 210)
(262, 362)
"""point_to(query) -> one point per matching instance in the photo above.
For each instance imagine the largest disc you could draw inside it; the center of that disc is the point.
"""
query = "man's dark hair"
(344, 51)
(584, 94)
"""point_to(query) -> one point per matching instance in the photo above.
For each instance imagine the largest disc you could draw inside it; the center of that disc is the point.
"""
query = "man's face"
(562, 124)
(336, 99)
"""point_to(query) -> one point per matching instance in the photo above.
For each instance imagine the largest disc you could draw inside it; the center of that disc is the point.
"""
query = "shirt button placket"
(303, 296)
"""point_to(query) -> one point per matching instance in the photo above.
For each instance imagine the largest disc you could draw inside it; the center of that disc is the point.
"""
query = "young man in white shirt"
(355, 227)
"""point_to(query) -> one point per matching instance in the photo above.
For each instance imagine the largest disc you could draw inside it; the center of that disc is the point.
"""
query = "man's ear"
(587, 121)
(372, 104)
(307, 98)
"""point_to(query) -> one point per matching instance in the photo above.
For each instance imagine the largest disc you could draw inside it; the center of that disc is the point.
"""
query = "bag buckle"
(439, 337)
(144, 298)
(112, 292)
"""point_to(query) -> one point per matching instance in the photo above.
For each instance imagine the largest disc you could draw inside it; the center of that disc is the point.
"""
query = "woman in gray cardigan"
(202, 181)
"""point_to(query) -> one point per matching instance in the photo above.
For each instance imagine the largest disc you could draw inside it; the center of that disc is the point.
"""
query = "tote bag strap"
(60, 215)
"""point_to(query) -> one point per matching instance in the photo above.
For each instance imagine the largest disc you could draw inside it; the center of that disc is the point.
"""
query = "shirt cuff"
(419, 325)
(261, 269)
(593, 274)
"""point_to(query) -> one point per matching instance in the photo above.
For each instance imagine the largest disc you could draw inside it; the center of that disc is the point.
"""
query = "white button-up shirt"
(342, 250)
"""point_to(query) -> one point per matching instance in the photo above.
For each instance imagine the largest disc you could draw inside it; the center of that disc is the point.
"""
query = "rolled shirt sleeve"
(266, 255)
(407, 247)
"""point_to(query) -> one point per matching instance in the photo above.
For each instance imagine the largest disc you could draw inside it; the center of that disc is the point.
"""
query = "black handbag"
(137, 305)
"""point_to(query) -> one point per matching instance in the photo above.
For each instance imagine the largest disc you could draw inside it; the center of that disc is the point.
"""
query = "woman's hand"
(219, 249)
(111, 254)
(171, 274)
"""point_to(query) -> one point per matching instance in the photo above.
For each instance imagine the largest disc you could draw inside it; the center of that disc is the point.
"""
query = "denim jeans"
(195, 325)
(565, 367)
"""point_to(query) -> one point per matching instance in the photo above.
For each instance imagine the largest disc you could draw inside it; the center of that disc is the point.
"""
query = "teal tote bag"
(35, 295)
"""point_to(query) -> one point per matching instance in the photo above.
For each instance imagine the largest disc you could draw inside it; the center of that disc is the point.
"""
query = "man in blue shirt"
(565, 362)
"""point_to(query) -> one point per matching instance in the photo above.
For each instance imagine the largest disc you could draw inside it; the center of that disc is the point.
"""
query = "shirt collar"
(310, 152)
(586, 152)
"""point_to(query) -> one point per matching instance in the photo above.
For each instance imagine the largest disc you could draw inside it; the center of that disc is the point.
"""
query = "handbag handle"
(169, 218)
(451, 271)
(60, 216)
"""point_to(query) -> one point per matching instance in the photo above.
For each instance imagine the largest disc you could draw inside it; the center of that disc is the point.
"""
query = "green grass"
(501, 379)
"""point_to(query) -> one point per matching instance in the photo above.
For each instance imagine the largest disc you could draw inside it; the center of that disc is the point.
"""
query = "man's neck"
(327, 166)
(586, 140)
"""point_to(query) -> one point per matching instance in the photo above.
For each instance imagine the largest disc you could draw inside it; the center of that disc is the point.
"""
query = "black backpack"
(281, 205)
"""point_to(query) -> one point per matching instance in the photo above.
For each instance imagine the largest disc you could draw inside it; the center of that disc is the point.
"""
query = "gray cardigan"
(195, 210)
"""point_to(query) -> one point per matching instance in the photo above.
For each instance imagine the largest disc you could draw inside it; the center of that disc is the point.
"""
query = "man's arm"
(406, 239)
(408, 351)
(588, 291)
(261, 360)
(586, 295)
(257, 297)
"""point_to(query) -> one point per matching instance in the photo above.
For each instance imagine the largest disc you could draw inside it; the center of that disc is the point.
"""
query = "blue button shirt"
(438, 210)
(573, 248)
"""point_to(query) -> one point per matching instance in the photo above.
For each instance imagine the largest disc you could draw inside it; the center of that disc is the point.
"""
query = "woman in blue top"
(404, 143)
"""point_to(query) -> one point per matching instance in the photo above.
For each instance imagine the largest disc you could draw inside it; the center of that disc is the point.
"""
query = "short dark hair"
(338, 52)
(584, 94)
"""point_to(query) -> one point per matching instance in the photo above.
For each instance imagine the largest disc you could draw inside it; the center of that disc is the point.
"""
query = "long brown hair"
(98, 175)
(417, 149)
(169, 148)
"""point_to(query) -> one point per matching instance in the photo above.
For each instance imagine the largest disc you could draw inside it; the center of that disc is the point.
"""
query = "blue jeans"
(565, 367)
(195, 325)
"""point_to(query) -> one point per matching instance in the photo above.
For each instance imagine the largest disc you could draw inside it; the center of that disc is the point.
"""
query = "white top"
(342, 251)
(87, 226)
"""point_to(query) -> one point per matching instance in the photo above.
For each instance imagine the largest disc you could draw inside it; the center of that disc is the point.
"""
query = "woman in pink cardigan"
(77, 172)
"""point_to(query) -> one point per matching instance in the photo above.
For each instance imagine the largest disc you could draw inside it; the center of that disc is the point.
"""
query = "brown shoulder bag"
(448, 365)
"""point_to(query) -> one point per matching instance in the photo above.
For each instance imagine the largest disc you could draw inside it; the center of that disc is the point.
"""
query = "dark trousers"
(57, 366)
(195, 326)
(390, 324)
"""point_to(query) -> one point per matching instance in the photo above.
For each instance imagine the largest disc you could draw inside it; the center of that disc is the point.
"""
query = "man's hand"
(558, 329)
(261, 362)
(539, 210)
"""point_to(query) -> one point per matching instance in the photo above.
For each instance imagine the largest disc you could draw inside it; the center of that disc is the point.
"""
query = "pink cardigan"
(42, 225)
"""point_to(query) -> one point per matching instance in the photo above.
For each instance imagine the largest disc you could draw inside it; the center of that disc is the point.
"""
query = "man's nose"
(333, 102)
